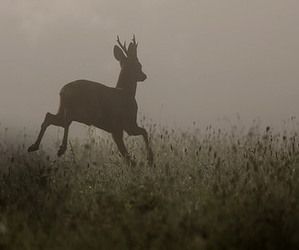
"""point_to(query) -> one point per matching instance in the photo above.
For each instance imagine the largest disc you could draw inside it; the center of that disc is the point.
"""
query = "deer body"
(95, 104)
(111, 109)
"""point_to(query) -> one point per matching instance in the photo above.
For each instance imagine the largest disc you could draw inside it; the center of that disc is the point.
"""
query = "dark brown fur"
(111, 109)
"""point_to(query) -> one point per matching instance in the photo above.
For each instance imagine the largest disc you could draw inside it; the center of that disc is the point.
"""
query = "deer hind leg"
(141, 131)
(118, 138)
(50, 119)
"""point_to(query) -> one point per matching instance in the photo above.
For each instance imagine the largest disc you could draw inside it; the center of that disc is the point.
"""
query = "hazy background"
(206, 59)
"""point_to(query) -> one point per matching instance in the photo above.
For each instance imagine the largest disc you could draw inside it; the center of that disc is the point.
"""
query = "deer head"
(131, 68)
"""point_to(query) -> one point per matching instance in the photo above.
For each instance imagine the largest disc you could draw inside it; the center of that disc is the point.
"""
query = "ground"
(208, 189)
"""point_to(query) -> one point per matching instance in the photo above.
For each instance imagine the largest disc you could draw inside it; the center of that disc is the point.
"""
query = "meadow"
(209, 188)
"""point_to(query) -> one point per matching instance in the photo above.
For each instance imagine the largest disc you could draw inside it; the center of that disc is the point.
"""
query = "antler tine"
(122, 46)
(134, 40)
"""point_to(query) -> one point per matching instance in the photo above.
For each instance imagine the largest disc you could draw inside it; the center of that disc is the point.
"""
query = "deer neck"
(126, 83)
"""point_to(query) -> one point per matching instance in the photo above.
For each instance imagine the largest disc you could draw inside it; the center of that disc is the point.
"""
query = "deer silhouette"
(111, 109)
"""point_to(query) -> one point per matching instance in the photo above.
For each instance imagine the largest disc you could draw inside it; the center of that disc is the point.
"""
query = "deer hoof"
(61, 151)
(32, 148)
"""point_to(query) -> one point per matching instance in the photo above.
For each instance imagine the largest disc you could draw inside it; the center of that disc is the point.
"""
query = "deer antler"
(123, 46)
(134, 40)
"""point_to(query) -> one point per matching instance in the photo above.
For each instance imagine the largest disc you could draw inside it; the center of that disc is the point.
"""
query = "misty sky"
(205, 59)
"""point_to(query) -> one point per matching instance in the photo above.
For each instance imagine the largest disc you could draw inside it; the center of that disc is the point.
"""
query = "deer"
(112, 109)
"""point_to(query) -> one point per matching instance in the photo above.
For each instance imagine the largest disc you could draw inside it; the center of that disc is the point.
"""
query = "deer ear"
(118, 53)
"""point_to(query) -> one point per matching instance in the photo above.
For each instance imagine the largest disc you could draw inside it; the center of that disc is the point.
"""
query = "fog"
(205, 59)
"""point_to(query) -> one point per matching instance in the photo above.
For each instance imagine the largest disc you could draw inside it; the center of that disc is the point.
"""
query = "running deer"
(111, 109)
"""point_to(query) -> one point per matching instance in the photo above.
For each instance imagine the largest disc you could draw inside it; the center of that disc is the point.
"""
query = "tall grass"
(209, 189)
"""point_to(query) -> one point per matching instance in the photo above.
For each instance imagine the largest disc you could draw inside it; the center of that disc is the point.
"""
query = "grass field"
(209, 189)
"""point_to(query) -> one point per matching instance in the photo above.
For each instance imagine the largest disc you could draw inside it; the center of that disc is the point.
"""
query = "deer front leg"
(63, 146)
(141, 131)
(118, 138)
